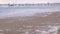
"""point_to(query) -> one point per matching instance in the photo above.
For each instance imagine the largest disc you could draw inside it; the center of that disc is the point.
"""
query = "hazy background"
(28, 1)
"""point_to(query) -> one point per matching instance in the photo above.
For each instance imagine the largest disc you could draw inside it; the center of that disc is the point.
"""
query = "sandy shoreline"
(27, 23)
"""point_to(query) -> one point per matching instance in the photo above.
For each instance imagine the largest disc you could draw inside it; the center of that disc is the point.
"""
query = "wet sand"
(29, 25)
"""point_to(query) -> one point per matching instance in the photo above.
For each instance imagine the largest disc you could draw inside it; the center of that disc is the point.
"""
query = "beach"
(39, 23)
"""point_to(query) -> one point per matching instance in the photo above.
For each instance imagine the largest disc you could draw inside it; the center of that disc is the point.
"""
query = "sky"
(28, 1)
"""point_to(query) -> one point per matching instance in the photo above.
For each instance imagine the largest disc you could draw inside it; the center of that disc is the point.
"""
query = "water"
(23, 12)
(32, 30)
(15, 11)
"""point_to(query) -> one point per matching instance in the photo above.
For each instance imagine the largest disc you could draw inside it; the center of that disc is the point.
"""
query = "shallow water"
(31, 30)
(23, 12)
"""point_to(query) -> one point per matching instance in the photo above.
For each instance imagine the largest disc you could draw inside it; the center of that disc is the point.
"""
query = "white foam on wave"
(34, 30)
(53, 30)
(48, 30)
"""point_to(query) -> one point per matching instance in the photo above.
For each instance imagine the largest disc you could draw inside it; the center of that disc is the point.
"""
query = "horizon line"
(28, 3)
